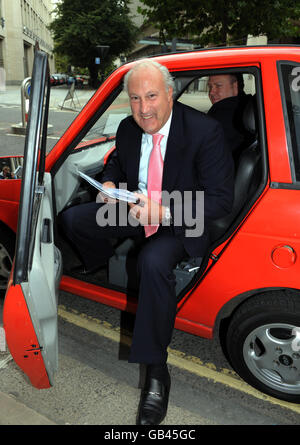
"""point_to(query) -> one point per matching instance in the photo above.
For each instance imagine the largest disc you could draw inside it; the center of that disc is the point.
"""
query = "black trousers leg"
(157, 299)
(91, 240)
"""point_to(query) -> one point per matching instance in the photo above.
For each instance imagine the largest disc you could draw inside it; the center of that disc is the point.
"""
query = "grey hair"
(145, 63)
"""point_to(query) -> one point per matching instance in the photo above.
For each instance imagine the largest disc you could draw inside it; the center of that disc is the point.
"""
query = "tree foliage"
(79, 26)
(220, 22)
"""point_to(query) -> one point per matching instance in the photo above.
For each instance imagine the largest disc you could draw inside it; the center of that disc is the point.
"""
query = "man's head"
(150, 89)
(6, 170)
(222, 86)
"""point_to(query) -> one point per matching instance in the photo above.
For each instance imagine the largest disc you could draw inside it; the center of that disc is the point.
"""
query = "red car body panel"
(9, 202)
(21, 338)
(278, 156)
(262, 264)
(261, 254)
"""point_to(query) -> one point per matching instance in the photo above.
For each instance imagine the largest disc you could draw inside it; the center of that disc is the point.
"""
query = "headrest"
(250, 115)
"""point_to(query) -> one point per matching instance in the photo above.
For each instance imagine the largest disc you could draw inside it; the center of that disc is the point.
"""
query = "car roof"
(224, 54)
(258, 49)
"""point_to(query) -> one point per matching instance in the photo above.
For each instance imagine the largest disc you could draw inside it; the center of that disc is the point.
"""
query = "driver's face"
(151, 104)
(220, 87)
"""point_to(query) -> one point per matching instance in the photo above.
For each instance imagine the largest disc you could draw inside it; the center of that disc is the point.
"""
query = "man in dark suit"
(226, 93)
(188, 148)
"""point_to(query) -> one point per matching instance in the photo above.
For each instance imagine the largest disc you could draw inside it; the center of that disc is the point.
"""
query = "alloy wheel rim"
(272, 354)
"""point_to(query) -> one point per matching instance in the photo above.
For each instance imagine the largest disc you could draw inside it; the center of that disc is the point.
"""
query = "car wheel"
(263, 344)
(7, 248)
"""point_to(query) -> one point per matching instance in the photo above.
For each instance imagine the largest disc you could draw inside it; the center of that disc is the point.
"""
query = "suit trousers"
(157, 258)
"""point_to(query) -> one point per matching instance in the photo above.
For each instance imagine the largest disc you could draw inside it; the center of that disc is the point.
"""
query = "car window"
(192, 91)
(89, 154)
(290, 90)
(108, 123)
(195, 92)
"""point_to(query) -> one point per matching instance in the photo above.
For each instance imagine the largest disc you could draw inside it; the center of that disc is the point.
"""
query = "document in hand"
(120, 194)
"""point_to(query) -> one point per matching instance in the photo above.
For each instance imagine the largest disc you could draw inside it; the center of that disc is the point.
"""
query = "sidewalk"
(15, 413)
(12, 96)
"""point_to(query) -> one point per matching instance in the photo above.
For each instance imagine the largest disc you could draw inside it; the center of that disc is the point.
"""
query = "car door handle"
(46, 231)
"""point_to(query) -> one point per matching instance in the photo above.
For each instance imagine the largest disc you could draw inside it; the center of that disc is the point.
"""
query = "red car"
(246, 291)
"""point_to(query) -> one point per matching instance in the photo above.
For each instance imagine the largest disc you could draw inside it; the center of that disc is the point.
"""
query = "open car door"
(30, 306)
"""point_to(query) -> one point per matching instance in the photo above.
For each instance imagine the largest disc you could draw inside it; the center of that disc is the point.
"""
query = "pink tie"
(155, 172)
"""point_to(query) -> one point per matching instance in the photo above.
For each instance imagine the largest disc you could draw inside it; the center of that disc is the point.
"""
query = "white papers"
(120, 194)
(113, 122)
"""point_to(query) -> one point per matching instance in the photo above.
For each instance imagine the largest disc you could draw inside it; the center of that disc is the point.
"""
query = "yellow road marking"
(176, 358)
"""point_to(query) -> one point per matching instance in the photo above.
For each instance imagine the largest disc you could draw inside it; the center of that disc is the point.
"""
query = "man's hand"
(147, 211)
(101, 197)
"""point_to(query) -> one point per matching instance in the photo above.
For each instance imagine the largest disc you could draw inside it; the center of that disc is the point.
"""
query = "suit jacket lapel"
(133, 156)
(175, 150)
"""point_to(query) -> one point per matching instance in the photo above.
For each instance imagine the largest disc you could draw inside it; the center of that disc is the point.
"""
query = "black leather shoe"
(154, 402)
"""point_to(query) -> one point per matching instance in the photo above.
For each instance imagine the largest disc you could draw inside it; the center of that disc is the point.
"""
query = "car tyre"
(263, 343)
(7, 249)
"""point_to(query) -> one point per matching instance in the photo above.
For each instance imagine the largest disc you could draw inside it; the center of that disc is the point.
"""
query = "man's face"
(151, 104)
(221, 87)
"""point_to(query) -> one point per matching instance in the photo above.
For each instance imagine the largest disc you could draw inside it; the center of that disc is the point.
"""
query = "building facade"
(22, 24)
(148, 43)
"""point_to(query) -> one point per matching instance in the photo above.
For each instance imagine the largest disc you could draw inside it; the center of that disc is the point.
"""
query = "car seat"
(247, 176)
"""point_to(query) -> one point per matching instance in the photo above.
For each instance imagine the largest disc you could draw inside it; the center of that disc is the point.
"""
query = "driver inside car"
(226, 93)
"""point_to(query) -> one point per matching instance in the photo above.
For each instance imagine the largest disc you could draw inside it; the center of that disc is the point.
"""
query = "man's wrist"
(109, 184)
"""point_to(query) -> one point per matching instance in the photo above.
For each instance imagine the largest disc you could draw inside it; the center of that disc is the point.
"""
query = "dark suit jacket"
(229, 112)
(196, 159)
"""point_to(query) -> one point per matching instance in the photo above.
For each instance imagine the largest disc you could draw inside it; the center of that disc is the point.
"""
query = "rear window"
(290, 90)
(194, 91)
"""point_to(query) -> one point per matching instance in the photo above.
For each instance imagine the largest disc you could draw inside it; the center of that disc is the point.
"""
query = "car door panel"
(43, 281)
(21, 338)
(30, 307)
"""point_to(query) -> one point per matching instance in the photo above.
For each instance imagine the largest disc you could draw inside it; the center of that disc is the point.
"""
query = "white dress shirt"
(146, 149)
